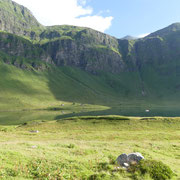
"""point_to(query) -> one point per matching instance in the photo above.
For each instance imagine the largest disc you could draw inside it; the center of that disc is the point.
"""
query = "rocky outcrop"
(125, 160)
(88, 57)
(15, 50)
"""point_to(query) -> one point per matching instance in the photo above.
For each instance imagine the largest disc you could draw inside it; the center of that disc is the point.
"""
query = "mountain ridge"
(17, 19)
(86, 48)
(165, 31)
(110, 70)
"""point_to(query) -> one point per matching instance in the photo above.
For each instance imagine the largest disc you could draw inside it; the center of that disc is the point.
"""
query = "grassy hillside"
(32, 89)
(26, 89)
(22, 88)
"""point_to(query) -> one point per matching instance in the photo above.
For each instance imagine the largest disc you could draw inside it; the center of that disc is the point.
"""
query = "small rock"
(34, 131)
(34, 147)
(126, 165)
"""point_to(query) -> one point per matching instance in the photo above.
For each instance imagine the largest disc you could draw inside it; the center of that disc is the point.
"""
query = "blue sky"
(137, 17)
(115, 17)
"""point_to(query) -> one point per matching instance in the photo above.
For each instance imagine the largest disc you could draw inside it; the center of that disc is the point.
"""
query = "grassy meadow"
(86, 147)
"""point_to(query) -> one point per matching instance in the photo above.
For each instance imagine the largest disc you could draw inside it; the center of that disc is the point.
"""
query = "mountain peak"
(128, 37)
(165, 31)
(17, 19)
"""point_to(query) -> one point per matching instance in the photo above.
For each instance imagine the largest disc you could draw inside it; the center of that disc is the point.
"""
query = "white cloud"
(96, 22)
(69, 12)
(143, 35)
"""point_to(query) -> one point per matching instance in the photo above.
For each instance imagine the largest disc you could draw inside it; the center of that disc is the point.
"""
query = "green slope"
(32, 89)
(24, 89)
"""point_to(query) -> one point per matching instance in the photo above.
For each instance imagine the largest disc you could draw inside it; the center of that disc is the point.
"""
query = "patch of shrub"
(156, 169)
(100, 176)
(108, 118)
(104, 166)
(24, 124)
(71, 146)
(9, 172)
(153, 119)
(112, 159)
(12, 172)
(7, 129)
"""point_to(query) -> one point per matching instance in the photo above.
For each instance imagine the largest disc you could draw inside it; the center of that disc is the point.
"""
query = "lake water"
(20, 117)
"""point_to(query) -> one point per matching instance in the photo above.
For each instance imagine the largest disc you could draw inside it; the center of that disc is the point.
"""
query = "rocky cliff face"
(85, 48)
(82, 47)
(159, 50)
(19, 51)
(99, 53)
(94, 51)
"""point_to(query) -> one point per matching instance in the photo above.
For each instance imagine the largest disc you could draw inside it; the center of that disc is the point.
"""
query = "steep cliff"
(85, 48)
(88, 49)
(21, 52)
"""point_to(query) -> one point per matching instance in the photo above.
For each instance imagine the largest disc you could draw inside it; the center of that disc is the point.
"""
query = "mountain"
(129, 38)
(43, 66)
(17, 19)
(166, 31)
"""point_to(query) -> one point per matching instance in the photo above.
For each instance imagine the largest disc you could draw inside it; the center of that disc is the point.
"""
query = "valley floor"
(86, 147)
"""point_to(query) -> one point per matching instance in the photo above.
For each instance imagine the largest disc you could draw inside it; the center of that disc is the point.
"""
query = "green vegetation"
(50, 88)
(103, 48)
(156, 169)
(24, 89)
(110, 117)
(87, 149)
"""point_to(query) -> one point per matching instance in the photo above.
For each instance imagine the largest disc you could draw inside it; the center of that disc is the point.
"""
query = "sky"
(118, 18)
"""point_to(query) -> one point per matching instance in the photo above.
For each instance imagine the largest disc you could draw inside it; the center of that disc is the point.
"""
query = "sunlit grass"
(84, 147)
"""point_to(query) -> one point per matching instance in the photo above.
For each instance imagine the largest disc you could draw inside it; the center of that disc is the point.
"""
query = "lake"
(20, 117)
